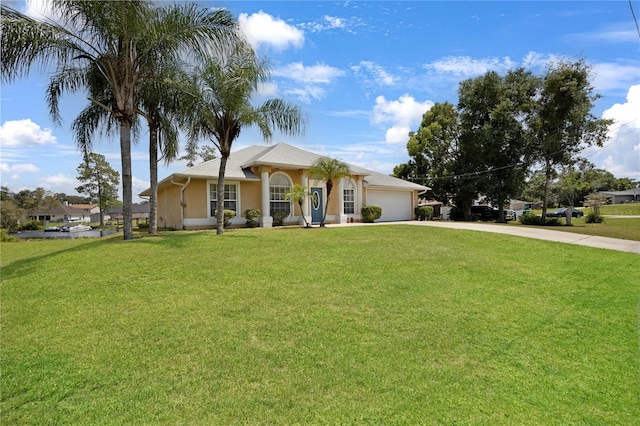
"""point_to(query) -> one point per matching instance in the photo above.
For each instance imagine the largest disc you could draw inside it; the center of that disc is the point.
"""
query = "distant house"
(140, 213)
(519, 205)
(620, 197)
(258, 177)
(65, 213)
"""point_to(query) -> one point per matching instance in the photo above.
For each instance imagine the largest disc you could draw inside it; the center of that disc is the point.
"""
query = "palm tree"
(160, 106)
(298, 194)
(329, 169)
(123, 41)
(222, 107)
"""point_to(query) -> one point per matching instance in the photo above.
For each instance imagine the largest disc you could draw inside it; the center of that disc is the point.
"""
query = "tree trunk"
(306, 224)
(547, 178)
(127, 193)
(220, 189)
(326, 206)
(100, 201)
(501, 214)
(569, 214)
(153, 176)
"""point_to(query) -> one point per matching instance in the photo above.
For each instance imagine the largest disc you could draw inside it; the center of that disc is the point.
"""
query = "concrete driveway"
(528, 232)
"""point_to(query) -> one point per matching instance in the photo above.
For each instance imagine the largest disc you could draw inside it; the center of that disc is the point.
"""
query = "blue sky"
(364, 72)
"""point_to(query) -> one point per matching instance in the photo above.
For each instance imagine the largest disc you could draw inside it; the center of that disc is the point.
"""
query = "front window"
(279, 185)
(349, 197)
(230, 198)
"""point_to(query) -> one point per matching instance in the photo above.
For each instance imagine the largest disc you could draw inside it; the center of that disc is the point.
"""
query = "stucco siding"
(169, 215)
(195, 200)
(250, 197)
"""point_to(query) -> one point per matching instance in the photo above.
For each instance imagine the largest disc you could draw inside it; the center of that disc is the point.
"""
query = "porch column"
(267, 220)
(305, 205)
(342, 218)
(359, 198)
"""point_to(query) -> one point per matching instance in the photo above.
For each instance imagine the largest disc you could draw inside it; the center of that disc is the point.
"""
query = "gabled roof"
(625, 192)
(282, 156)
(60, 210)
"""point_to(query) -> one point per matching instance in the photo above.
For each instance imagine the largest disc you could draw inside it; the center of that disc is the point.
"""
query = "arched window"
(279, 185)
(349, 196)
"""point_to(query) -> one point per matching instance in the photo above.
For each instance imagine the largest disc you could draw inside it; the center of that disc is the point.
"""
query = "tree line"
(172, 67)
(98, 181)
(509, 136)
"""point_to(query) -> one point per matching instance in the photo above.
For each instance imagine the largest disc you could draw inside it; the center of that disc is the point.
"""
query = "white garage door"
(396, 205)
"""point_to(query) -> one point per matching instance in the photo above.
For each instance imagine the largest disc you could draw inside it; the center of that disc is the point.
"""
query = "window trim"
(210, 199)
(344, 198)
(289, 201)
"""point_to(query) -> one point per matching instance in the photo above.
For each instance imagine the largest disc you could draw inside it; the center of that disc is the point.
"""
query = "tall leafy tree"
(329, 170)
(433, 149)
(221, 108)
(122, 41)
(563, 124)
(99, 182)
(494, 111)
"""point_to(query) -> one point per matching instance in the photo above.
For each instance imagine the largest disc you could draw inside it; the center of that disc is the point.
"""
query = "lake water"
(65, 235)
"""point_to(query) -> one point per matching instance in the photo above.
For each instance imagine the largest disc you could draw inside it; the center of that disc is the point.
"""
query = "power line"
(634, 17)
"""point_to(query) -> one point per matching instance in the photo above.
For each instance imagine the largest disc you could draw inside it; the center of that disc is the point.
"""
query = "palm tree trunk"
(127, 193)
(100, 205)
(306, 224)
(153, 176)
(220, 189)
(326, 207)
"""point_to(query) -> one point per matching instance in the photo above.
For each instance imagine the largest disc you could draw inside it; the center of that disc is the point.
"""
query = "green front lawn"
(612, 227)
(353, 325)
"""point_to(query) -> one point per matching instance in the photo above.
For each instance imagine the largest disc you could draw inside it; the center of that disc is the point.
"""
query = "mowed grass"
(613, 227)
(354, 325)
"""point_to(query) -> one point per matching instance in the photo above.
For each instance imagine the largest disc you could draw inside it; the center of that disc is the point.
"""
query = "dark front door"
(316, 205)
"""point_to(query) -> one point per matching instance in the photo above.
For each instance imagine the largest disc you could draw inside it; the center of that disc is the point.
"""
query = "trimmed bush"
(532, 219)
(251, 215)
(371, 213)
(593, 218)
(228, 215)
(278, 217)
(423, 212)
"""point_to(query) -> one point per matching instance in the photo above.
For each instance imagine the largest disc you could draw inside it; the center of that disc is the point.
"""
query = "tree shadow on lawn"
(26, 265)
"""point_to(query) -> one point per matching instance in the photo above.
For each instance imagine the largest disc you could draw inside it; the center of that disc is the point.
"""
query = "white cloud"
(29, 168)
(328, 23)
(621, 33)
(25, 133)
(319, 73)
(380, 75)
(58, 182)
(334, 22)
(467, 67)
(311, 78)
(38, 9)
(538, 60)
(305, 94)
(263, 29)
(267, 89)
(402, 115)
(612, 76)
(397, 135)
(621, 153)
(138, 185)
